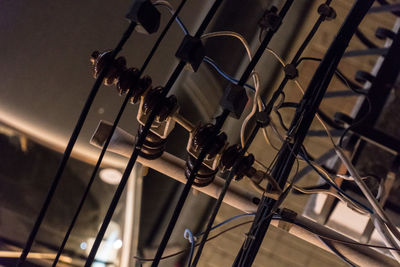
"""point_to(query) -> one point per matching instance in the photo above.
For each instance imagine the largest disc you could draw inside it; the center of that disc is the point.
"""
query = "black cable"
(301, 124)
(221, 196)
(235, 166)
(322, 114)
(274, 218)
(295, 59)
(384, 3)
(114, 126)
(364, 39)
(346, 81)
(357, 123)
(71, 143)
(189, 183)
(138, 146)
(184, 250)
(337, 252)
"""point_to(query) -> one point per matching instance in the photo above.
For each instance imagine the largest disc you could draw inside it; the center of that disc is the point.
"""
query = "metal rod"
(71, 143)
(140, 142)
(123, 143)
(300, 126)
(116, 121)
(223, 192)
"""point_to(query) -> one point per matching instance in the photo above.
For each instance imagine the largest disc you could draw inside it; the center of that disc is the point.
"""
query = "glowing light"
(83, 245)
(117, 244)
(110, 176)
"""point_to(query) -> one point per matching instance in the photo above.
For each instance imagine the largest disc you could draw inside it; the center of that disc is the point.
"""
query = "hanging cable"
(116, 121)
(71, 143)
(189, 236)
(336, 252)
(364, 39)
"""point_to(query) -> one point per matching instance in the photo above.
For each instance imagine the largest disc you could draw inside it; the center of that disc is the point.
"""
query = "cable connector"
(291, 71)
(270, 20)
(234, 99)
(263, 118)
(383, 33)
(288, 217)
(145, 15)
(191, 51)
(363, 77)
(327, 12)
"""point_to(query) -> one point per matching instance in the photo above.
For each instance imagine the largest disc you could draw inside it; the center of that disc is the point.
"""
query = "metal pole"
(299, 128)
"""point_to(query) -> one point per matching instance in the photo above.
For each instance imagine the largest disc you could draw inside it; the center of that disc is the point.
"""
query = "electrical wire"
(376, 206)
(171, 10)
(184, 250)
(337, 253)
(189, 236)
(346, 242)
(140, 141)
(224, 74)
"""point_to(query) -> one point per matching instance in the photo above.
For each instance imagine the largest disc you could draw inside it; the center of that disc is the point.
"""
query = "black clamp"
(270, 20)
(145, 15)
(191, 51)
(125, 78)
(363, 76)
(383, 33)
(153, 146)
(288, 219)
(327, 12)
(205, 174)
(231, 156)
(263, 119)
(154, 97)
(343, 119)
(291, 71)
(234, 100)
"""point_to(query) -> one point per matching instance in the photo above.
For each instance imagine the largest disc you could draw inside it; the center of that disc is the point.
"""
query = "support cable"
(300, 126)
(112, 130)
(71, 143)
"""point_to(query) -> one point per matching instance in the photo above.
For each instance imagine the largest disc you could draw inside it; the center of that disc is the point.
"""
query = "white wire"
(257, 103)
(359, 181)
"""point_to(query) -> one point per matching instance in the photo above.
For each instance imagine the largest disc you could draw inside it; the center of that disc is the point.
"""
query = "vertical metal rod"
(140, 142)
(222, 194)
(114, 126)
(71, 143)
(300, 126)
(253, 134)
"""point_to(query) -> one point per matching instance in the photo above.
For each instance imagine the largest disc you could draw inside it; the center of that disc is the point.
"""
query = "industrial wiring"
(361, 184)
(217, 127)
(274, 218)
(257, 102)
(213, 64)
(196, 245)
(256, 98)
(337, 253)
(371, 199)
(350, 84)
(116, 121)
(348, 202)
(171, 10)
(189, 236)
(353, 202)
